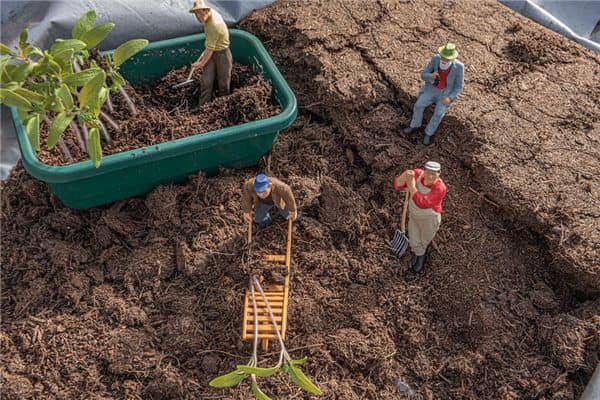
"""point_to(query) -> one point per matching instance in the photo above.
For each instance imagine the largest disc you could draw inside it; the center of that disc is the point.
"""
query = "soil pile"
(166, 114)
(143, 298)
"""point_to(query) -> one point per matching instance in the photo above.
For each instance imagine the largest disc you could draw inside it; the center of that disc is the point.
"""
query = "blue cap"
(261, 183)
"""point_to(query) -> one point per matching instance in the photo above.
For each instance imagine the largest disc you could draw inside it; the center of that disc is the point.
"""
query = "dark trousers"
(219, 66)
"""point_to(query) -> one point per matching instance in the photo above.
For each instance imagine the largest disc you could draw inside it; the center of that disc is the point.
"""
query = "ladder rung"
(275, 257)
(262, 318)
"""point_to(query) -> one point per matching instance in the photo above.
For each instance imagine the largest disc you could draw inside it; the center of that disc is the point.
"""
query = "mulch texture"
(143, 298)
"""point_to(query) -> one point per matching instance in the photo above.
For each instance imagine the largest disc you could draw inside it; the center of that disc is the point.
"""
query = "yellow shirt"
(217, 34)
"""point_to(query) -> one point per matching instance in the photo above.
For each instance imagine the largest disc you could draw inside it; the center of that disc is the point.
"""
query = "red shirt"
(443, 75)
(433, 199)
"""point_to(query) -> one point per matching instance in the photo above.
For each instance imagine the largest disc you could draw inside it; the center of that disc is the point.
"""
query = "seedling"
(51, 86)
(285, 365)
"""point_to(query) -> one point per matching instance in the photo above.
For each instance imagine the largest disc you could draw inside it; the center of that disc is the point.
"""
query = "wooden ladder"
(277, 296)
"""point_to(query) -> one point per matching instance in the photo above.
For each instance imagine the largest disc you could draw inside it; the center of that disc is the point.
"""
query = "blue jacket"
(454, 82)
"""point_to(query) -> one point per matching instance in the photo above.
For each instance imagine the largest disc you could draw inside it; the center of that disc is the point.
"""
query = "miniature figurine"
(264, 193)
(427, 191)
(216, 59)
(444, 80)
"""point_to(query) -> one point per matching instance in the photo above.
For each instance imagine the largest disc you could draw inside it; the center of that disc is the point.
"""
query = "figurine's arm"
(428, 73)
(459, 82)
(203, 59)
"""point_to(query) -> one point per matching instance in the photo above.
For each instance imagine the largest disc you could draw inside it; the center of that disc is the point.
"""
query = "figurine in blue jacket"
(444, 80)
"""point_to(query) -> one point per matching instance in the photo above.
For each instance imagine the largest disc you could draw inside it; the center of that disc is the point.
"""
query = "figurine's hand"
(433, 76)
(410, 173)
(248, 217)
(293, 215)
(197, 65)
(446, 100)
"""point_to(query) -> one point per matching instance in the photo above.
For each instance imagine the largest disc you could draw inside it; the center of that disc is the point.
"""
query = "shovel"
(399, 243)
(188, 81)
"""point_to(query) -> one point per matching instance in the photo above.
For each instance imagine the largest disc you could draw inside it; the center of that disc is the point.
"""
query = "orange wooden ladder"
(277, 296)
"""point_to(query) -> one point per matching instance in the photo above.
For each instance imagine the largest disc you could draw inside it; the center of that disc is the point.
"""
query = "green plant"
(285, 364)
(50, 86)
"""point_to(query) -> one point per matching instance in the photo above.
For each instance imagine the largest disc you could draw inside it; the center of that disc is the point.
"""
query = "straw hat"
(448, 51)
(199, 5)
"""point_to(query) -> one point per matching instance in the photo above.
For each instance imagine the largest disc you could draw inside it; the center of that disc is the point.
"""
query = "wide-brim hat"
(199, 5)
(433, 166)
(261, 183)
(448, 51)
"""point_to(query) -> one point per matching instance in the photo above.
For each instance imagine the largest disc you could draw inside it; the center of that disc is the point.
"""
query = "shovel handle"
(190, 74)
(249, 232)
(404, 211)
(288, 250)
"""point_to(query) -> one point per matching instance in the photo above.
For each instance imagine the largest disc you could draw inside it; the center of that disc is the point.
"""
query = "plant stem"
(109, 104)
(110, 121)
(255, 344)
(76, 66)
(86, 134)
(79, 135)
(128, 101)
(104, 132)
(65, 150)
(270, 311)
(61, 144)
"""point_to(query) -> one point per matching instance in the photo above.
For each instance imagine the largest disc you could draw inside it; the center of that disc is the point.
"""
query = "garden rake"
(188, 81)
(399, 243)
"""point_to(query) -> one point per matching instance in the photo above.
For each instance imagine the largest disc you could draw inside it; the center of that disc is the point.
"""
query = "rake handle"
(404, 211)
(249, 232)
(288, 250)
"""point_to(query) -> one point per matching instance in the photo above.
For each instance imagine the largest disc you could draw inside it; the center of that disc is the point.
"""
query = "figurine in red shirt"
(427, 191)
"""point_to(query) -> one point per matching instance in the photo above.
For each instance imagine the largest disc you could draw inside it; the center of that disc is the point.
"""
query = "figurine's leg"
(425, 99)
(436, 118)
(207, 82)
(262, 216)
(224, 65)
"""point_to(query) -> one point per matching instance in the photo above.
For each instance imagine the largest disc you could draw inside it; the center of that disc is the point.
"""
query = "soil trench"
(143, 298)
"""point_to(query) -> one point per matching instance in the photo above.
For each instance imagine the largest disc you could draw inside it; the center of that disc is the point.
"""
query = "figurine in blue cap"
(427, 191)
(444, 81)
(263, 193)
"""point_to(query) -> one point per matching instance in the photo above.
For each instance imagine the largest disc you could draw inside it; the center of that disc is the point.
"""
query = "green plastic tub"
(136, 172)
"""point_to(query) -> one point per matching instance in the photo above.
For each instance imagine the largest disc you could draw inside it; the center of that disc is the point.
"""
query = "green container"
(138, 171)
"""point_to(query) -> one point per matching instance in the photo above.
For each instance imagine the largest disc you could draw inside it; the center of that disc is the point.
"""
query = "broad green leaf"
(65, 60)
(258, 393)
(10, 86)
(3, 61)
(62, 45)
(34, 51)
(84, 24)
(64, 94)
(57, 127)
(118, 81)
(32, 127)
(32, 96)
(128, 49)
(11, 99)
(262, 372)
(81, 78)
(302, 381)
(91, 90)
(23, 40)
(21, 72)
(94, 146)
(96, 104)
(48, 65)
(228, 380)
(299, 361)
(4, 49)
(97, 34)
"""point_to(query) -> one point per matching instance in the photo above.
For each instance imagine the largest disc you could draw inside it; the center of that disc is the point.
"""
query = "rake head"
(399, 243)
(182, 84)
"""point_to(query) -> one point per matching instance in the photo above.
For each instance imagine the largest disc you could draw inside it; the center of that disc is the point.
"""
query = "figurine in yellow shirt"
(216, 60)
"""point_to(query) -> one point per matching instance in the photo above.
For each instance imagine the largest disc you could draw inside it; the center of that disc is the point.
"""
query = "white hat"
(199, 5)
(433, 166)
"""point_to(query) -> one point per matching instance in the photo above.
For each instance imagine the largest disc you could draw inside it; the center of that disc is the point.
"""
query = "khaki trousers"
(219, 66)
(421, 230)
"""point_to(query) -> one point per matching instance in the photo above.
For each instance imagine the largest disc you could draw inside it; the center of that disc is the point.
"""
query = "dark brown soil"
(166, 114)
(143, 298)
